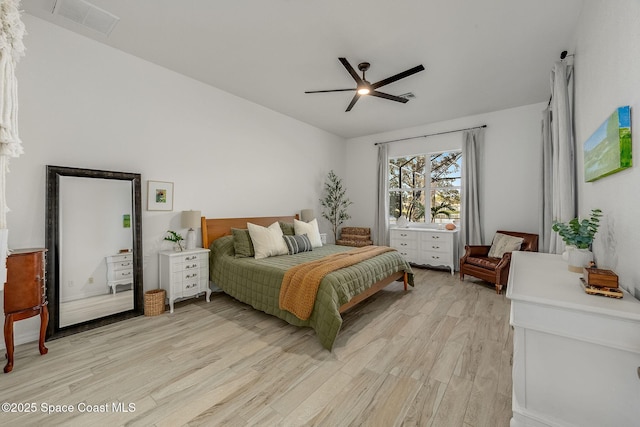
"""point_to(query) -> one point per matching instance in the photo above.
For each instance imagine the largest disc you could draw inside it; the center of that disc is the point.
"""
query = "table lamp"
(307, 215)
(191, 220)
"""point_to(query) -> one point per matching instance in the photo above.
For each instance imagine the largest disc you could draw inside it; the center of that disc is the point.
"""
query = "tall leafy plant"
(335, 202)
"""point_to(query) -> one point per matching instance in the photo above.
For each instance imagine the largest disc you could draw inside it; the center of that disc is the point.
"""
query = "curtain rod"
(430, 134)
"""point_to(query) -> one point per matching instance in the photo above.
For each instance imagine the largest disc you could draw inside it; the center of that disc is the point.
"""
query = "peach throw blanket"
(300, 283)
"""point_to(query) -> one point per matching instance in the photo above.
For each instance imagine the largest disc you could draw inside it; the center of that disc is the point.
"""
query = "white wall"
(510, 169)
(607, 70)
(86, 105)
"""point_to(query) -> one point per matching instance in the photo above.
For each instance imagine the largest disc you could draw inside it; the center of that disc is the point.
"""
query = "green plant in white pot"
(578, 236)
(176, 238)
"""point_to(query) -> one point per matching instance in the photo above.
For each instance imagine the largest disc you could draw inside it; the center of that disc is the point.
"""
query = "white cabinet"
(120, 270)
(576, 357)
(426, 246)
(184, 274)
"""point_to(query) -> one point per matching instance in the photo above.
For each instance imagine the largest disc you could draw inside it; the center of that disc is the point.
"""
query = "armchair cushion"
(504, 243)
(484, 262)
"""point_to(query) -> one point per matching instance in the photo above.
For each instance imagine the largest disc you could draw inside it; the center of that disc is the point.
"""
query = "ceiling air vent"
(408, 95)
(86, 14)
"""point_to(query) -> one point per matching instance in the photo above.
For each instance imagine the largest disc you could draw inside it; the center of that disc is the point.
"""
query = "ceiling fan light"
(363, 91)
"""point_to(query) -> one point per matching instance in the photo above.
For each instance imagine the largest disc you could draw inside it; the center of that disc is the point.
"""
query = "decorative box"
(600, 278)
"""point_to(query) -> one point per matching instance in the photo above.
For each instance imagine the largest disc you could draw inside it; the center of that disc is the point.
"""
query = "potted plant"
(578, 236)
(175, 238)
(335, 203)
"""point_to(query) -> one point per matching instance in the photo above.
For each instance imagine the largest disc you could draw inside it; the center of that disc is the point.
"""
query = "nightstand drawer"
(191, 287)
(122, 274)
(190, 274)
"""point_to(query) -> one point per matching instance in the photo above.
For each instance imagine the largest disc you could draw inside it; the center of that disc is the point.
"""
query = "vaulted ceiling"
(479, 55)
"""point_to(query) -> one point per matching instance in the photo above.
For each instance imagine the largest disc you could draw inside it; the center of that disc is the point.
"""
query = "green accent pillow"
(287, 228)
(242, 243)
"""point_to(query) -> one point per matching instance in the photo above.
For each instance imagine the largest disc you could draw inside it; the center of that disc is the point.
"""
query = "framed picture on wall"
(159, 196)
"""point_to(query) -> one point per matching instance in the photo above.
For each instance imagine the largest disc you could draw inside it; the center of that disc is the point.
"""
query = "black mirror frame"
(53, 260)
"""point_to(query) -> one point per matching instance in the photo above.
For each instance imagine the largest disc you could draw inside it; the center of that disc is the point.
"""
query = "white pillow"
(267, 241)
(504, 243)
(310, 229)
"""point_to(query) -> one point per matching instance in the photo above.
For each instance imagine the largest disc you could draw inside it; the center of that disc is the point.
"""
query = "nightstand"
(120, 270)
(184, 274)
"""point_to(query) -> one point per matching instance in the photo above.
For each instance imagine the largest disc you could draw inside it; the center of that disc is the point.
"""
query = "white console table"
(576, 357)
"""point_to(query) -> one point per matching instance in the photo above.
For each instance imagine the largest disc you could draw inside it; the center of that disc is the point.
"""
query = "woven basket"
(154, 302)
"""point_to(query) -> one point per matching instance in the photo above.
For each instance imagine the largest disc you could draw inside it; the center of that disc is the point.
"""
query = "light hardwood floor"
(437, 355)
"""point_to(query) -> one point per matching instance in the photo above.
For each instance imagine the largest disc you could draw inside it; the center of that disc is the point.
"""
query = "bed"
(257, 282)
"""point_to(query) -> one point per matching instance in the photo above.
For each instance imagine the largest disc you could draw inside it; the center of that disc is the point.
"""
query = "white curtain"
(382, 214)
(11, 50)
(558, 199)
(471, 230)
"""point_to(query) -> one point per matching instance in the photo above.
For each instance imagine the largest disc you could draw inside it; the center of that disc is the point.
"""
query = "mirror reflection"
(96, 243)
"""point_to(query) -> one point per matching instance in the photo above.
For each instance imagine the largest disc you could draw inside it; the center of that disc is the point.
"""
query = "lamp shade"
(191, 219)
(307, 215)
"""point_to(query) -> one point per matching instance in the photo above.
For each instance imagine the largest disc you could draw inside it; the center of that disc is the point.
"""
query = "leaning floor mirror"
(94, 248)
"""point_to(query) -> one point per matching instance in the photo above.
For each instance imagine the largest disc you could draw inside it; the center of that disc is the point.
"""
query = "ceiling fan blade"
(387, 96)
(353, 102)
(397, 77)
(351, 71)
(330, 90)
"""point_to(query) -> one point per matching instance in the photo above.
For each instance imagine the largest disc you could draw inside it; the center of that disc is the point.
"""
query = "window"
(426, 187)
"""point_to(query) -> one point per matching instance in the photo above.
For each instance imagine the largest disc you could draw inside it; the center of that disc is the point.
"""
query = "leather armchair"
(477, 262)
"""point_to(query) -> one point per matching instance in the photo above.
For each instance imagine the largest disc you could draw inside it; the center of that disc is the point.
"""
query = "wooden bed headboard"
(213, 229)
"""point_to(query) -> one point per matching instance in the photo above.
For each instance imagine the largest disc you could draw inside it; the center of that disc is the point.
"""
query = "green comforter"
(257, 282)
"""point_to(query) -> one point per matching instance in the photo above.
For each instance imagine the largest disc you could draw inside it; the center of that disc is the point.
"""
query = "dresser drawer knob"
(435, 247)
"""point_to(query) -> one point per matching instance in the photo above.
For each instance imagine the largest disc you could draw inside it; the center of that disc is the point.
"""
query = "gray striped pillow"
(298, 243)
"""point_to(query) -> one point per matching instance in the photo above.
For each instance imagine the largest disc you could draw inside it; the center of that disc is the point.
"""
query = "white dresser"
(426, 246)
(120, 270)
(576, 357)
(184, 274)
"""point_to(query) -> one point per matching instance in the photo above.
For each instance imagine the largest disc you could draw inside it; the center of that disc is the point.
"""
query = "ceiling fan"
(365, 88)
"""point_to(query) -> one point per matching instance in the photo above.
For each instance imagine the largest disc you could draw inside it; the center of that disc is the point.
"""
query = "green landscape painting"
(608, 150)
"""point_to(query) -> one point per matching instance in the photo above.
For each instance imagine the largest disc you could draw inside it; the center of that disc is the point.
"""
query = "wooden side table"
(24, 295)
